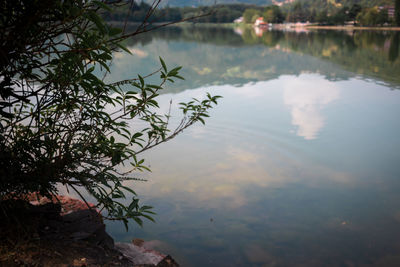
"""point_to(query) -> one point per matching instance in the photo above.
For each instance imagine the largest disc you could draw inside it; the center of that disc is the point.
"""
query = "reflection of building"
(260, 22)
(238, 31)
(259, 31)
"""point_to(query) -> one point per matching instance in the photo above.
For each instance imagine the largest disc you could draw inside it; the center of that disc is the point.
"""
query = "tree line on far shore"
(206, 14)
(354, 14)
(296, 12)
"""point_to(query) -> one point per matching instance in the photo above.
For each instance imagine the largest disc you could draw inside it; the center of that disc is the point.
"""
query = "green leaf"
(154, 86)
(163, 64)
(138, 221)
(148, 217)
(97, 20)
(141, 80)
(201, 120)
(128, 189)
(112, 31)
(102, 5)
(137, 135)
(123, 48)
(125, 221)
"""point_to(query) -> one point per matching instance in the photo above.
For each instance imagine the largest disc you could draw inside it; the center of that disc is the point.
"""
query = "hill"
(196, 3)
(313, 3)
(319, 4)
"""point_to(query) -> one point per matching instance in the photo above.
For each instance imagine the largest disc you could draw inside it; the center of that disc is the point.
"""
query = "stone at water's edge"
(140, 252)
(68, 204)
(77, 223)
(139, 255)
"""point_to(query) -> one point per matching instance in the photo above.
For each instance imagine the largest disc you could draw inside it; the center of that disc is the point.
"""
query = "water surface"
(298, 164)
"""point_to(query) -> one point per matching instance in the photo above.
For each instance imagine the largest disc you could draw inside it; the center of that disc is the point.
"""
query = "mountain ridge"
(337, 3)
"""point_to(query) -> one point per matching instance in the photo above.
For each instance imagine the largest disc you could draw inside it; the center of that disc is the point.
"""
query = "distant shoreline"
(274, 26)
(350, 28)
(282, 26)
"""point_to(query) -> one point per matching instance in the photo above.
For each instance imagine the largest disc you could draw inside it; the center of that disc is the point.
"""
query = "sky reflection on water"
(294, 169)
(306, 97)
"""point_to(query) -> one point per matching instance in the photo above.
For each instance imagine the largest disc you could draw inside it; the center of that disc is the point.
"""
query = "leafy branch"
(60, 124)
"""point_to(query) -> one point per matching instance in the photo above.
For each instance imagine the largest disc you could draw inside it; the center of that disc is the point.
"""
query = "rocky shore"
(64, 232)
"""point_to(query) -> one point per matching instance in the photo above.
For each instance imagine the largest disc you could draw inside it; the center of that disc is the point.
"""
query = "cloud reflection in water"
(306, 95)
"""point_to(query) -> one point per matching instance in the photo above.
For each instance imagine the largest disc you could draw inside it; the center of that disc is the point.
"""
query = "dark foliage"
(60, 124)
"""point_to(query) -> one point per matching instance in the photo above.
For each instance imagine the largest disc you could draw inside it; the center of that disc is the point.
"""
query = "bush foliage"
(60, 124)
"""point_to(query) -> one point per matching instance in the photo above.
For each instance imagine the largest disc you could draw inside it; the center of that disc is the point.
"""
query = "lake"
(298, 165)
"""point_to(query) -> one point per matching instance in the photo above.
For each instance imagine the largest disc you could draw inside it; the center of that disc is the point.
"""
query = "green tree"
(382, 17)
(250, 14)
(368, 16)
(353, 12)
(269, 16)
(313, 15)
(298, 13)
(62, 124)
(340, 16)
(273, 14)
(322, 17)
(397, 12)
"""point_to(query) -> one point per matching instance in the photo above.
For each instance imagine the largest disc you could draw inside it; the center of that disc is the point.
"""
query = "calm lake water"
(299, 164)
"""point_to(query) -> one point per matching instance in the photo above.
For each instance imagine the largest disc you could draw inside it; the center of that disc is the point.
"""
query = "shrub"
(62, 124)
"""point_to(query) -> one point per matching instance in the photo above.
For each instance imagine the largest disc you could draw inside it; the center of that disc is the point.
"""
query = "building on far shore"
(238, 20)
(260, 22)
(390, 10)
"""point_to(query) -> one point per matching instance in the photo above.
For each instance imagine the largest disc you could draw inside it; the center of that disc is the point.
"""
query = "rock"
(80, 262)
(141, 255)
(71, 219)
(87, 225)
(138, 242)
(138, 255)
(168, 261)
(68, 204)
(70, 234)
